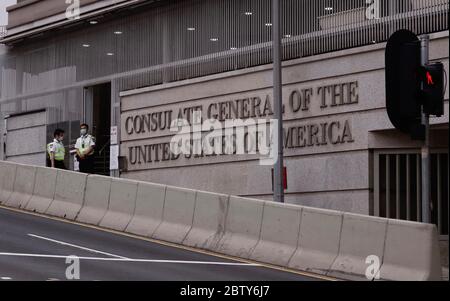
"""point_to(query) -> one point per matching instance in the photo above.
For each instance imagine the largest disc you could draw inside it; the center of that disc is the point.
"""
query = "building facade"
(129, 68)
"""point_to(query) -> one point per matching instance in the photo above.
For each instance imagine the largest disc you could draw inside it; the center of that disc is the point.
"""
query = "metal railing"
(397, 186)
(193, 38)
(309, 28)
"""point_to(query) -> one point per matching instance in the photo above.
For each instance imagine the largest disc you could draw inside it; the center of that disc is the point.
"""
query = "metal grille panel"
(397, 186)
(184, 39)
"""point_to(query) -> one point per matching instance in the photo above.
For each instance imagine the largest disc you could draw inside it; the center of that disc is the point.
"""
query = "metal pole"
(426, 216)
(278, 101)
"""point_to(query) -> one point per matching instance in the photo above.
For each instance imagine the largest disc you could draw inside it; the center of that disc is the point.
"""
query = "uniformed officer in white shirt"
(85, 150)
(56, 151)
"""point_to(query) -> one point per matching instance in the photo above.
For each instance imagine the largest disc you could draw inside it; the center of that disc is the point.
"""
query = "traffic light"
(433, 89)
(403, 83)
(409, 85)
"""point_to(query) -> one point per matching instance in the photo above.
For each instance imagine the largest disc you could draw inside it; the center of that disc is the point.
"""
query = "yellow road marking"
(173, 245)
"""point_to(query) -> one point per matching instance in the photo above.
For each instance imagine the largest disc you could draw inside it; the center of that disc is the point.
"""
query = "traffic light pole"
(278, 190)
(426, 216)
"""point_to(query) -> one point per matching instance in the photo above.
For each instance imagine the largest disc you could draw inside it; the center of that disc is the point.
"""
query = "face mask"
(83, 132)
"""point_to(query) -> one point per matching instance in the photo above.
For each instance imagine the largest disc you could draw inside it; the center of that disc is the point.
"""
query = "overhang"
(60, 20)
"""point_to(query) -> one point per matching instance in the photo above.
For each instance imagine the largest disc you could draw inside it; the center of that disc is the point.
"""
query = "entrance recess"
(97, 114)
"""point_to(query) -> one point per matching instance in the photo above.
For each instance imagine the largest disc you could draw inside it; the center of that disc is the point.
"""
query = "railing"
(188, 39)
(309, 28)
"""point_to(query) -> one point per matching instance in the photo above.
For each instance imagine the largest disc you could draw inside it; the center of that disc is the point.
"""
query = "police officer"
(56, 151)
(85, 150)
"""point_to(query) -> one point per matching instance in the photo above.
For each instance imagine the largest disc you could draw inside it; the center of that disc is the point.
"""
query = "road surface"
(34, 247)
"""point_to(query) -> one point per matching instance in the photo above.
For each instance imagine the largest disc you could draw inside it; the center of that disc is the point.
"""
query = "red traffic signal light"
(429, 77)
(433, 89)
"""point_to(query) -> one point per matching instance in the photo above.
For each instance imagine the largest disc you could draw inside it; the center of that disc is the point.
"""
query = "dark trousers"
(87, 164)
(60, 165)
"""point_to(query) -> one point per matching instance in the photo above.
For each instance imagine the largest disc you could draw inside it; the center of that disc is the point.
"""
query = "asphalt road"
(36, 248)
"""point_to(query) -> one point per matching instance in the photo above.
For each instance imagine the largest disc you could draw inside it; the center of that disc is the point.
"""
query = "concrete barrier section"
(342, 245)
(7, 176)
(318, 243)
(242, 227)
(44, 189)
(279, 234)
(96, 200)
(69, 194)
(178, 214)
(23, 186)
(361, 236)
(411, 252)
(209, 220)
(122, 202)
(149, 209)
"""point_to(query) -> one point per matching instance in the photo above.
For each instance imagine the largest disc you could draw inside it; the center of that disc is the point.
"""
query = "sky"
(3, 14)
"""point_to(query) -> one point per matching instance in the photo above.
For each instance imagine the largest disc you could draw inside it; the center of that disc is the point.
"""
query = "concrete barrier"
(411, 252)
(23, 186)
(361, 236)
(44, 189)
(321, 241)
(122, 202)
(208, 225)
(96, 200)
(7, 177)
(69, 194)
(279, 234)
(149, 209)
(318, 243)
(178, 214)
(242, 227)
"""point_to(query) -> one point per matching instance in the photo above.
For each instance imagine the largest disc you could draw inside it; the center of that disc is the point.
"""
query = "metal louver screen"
(191, 38)
(397, 186)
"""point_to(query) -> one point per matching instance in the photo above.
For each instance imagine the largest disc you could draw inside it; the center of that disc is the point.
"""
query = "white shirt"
(87, 140)
(54, 145)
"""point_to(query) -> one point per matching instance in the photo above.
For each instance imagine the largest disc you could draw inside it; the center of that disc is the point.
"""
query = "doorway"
(97, 113)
